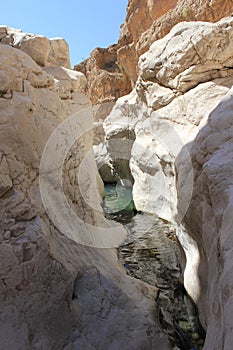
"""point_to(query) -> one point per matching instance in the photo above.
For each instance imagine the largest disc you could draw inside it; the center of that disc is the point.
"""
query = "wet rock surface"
(152, 254)
(154, 257)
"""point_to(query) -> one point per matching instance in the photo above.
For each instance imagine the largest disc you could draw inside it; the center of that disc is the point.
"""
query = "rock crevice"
(180, 160)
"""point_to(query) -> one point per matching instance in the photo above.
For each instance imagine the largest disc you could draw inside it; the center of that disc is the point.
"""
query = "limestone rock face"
(54, 292)
(106, 80)
(181, 156)
(209, 221)
(154, 152)
(44, 51)
(166, 72)
(146, 21)
(140, 17)
(192, 46)
(185, 10)
(68, 82)
(157, 19)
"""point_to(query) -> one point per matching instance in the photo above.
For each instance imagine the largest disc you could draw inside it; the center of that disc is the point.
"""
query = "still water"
(152, 254)
(118, 202)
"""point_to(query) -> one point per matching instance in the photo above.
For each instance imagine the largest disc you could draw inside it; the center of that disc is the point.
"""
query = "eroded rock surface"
(158, 19)
(55, 293)
(183, 94)
(44, 51)
(210, 221)
(146, 21)
(107, 81)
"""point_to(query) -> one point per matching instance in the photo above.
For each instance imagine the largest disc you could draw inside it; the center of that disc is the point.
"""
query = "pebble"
(7, 235)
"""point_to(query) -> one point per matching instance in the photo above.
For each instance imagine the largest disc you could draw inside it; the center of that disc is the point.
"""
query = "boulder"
(59, 54)
(37, 47)
(67, 81)
(190, 54)
(44, 51)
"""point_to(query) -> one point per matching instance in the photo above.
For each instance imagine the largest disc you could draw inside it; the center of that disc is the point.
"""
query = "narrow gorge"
(116, 185)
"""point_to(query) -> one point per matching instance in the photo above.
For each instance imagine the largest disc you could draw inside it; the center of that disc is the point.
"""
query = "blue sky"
(85, 24)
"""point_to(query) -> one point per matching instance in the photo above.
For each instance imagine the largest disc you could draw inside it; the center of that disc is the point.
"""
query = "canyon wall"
(209, 221)
(54, 292)
(113, 72)
(171, 136)
(175, 128)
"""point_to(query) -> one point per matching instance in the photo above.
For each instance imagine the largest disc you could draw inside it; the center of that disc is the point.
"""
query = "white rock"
(59, 53)
(44, 51)
(155, 95)
(37, 47)
(190, 54)
(182, 157)
(209, 221)
(67, 81)
(79, 296)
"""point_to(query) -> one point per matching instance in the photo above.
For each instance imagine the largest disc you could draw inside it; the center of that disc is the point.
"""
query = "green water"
(118, 202)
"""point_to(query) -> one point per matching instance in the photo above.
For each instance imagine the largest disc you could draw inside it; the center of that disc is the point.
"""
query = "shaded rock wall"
(209, 221)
